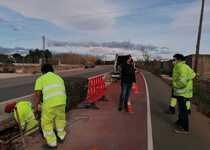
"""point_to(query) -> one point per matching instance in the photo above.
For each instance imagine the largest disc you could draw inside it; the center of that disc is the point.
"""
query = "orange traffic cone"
(135, 88)
(129, 105)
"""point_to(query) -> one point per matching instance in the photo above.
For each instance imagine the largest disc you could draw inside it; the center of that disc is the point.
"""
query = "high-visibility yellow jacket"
(53, 90)
(26, 116)
(182, 82)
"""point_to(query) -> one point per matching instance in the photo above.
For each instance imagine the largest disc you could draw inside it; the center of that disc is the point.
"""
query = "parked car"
(89, 65)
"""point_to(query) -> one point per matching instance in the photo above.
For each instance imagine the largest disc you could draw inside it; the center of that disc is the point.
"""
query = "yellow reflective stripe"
(183, 80)
(173, 102)
(180, 91)
(54, 94)
(48, 133)
(52, 86)
(60, 129)
(62, 137)
(188, 105)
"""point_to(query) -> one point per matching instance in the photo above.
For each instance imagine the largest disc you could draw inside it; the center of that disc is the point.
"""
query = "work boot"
(120, 108)
(52, 144)
(180, 130)
(61, 135)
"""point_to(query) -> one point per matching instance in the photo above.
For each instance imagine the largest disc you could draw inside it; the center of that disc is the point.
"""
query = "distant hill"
(20, 50)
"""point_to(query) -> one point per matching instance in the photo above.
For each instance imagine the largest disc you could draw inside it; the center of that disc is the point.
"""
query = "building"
(203, 63)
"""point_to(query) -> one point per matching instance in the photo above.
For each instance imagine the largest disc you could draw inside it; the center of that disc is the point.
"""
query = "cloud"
(14, 27)
(161, 23)
(126, 45)
(11, 19)
(111, 48)
(79, 14)
(185, 26)
(187, 18)
(176, 26)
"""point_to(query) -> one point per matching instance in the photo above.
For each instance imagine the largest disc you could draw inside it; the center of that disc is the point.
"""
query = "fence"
(202, 95)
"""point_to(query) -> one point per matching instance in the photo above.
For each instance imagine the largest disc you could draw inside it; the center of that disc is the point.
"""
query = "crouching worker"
(23, 115)
(50, 92)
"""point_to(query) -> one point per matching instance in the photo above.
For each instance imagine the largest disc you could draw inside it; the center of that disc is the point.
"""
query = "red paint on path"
(106, 128)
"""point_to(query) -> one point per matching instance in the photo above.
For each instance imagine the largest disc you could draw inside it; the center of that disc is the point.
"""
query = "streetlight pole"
(43, 48)
(43, 42)
(199, 37)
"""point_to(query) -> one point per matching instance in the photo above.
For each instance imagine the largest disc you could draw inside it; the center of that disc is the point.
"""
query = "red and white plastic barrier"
(96, 89)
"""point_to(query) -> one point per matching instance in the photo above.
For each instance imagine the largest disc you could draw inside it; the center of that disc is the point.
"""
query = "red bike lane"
(107, 128)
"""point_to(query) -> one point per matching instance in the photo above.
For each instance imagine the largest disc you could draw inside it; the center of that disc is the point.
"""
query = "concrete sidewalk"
(106, 128)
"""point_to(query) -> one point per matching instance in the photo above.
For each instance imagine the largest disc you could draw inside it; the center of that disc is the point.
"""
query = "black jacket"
(127, 73)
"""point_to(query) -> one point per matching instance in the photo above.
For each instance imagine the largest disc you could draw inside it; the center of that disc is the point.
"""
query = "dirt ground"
(22, 70)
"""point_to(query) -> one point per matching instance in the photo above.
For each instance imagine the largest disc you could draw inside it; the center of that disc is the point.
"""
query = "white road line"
(149, 122)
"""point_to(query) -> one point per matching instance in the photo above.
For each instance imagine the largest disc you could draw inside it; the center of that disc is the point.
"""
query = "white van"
(119, 59)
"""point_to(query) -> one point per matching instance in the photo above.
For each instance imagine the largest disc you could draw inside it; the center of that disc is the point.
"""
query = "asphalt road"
(21, 86)
(162, 124)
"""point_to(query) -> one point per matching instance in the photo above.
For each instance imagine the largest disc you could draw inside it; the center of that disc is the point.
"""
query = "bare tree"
(145, 53)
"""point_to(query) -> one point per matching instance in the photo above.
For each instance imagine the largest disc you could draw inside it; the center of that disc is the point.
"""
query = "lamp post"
(199, 37)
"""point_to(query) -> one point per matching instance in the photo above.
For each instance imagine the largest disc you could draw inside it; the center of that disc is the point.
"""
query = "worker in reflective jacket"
(24, 115)
(182, 83)
(50, 91)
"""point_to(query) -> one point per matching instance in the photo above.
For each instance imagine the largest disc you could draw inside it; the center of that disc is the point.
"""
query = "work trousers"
(183, 113)
(50, 117)
(173, 103)
(125, 93)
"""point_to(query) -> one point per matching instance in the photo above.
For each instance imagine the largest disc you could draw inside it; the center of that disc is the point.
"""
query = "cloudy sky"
(162, 23)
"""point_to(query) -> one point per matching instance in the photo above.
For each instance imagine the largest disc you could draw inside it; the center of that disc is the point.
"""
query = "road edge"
(150, 145)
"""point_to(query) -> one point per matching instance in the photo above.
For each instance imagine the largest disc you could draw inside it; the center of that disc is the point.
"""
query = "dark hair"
(179, 57)
(46, 68)
(128, 57)
(132, 60)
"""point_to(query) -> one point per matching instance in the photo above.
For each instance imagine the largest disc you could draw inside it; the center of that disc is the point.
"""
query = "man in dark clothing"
(127, 79)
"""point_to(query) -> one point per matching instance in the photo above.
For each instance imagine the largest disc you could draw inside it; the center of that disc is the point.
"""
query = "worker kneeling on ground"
(23, 109)
(50, 90)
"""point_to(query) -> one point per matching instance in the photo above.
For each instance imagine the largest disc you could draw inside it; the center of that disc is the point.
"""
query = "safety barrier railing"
(96, 89)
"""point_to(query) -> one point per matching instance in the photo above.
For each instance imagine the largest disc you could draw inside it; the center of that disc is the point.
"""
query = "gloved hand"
(197, 76)
(38, 115)
(37, 112)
